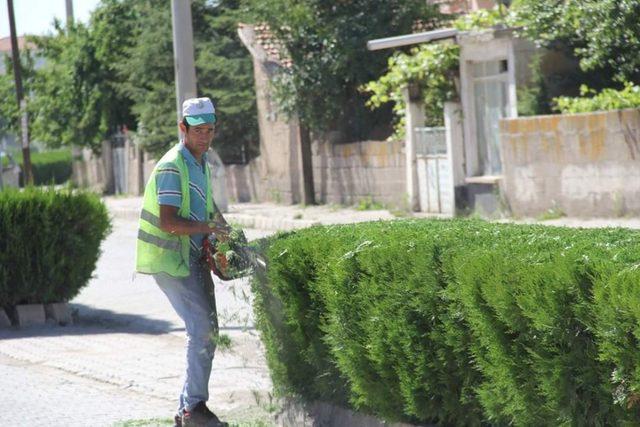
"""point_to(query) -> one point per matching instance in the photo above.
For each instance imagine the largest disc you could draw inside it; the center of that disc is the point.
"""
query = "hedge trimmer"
(233, 258)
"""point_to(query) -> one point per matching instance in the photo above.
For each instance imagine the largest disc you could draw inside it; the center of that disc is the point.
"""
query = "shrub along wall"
(49, 167)
(457, 322)
(49, 244)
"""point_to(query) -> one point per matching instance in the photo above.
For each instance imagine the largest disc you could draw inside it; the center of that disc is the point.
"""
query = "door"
(435, 181)
(491, 100)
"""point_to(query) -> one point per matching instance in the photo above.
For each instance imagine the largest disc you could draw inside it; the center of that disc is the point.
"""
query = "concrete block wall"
(95, 171)
(348, 173)
(343, 174)
(584, 165)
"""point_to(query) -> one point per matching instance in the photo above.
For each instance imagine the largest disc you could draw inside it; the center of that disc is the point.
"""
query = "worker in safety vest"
(178, 212)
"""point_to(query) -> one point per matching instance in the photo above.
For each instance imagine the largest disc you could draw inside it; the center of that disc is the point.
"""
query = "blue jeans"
(193, 298)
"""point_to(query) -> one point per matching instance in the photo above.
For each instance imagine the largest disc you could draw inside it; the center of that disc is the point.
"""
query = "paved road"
(124, 358)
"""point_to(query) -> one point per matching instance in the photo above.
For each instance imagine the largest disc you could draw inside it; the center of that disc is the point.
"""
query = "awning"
(408, 39)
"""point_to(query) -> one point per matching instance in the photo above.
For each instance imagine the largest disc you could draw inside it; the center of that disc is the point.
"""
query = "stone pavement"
(124, 357)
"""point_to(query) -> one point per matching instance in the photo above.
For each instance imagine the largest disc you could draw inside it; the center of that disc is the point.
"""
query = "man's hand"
(172, 223)
(221, 230)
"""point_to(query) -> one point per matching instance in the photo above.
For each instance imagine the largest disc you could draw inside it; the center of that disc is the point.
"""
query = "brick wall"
(585, 165)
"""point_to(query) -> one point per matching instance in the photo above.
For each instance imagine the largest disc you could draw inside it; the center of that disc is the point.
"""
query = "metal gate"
(435, 183)
(119, 158)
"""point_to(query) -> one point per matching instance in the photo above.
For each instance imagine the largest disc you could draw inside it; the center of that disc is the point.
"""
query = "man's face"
(198, 138)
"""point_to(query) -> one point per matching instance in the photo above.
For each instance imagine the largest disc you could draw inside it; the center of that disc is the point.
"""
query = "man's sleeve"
(168, 185)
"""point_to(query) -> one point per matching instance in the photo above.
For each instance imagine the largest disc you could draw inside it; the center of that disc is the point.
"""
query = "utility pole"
(22, 104)
(185, 69)
(76, 151)
(69, 9)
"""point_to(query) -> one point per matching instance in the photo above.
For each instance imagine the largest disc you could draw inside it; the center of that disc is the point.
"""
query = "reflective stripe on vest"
(150, 218)
(172, 245)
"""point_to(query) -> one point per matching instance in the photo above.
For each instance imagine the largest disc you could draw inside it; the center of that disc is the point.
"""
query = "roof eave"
(409, 39)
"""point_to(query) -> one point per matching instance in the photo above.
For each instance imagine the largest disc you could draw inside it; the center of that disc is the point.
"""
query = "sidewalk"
(125, 356)
(273, 217)
(266, 216)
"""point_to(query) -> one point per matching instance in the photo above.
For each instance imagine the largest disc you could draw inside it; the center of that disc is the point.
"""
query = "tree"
(326, 42)
(225, 73)
(223, 69)
(118, 70)
(9, 111)
(147, 74)
(75, 99)
(603, 34)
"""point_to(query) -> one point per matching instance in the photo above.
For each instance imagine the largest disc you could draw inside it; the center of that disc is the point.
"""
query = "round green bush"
(49, 243)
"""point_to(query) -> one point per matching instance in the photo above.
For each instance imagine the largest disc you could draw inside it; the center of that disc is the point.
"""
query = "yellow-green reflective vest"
(159, 251)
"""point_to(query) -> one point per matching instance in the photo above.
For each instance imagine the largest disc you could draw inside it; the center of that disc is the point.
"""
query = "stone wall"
(94, 171)
(366, 170)
(343, 174)
(278, 168)
(585, 165)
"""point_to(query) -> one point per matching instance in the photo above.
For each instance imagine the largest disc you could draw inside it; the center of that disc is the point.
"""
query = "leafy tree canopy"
(326, 42)
(223, 69)
(74, 98)
(118, 70)
(605, 34)
(608, 99)
(431, 68)
(9, 111)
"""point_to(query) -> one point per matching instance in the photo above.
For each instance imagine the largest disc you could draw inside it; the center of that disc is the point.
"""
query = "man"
(178, 212)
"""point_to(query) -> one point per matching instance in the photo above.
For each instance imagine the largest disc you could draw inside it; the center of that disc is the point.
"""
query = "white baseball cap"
(198, 111)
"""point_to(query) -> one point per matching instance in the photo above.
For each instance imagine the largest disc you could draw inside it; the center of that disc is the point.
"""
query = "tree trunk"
(307, 165)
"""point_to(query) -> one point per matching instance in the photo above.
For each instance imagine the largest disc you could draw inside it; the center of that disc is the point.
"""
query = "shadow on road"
(92, 321)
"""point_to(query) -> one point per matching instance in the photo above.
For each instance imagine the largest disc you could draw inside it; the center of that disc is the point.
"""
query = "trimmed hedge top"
(49, 244)
(457, 322)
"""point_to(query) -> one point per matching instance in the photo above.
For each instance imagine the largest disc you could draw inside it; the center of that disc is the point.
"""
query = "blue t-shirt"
(170, 191)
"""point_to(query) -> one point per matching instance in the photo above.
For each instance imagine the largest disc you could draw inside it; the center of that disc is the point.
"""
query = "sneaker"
(201, 416)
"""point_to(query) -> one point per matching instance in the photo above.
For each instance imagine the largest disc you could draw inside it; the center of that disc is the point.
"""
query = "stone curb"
(26, 315)
(268, 223)
(5, 322)
(248, 221)
(30, 315)
(59, 313)
(297, 414)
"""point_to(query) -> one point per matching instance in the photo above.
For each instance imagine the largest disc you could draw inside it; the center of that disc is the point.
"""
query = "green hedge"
(606, 100)
(49, 244)
(49, 167)
(457, 322)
